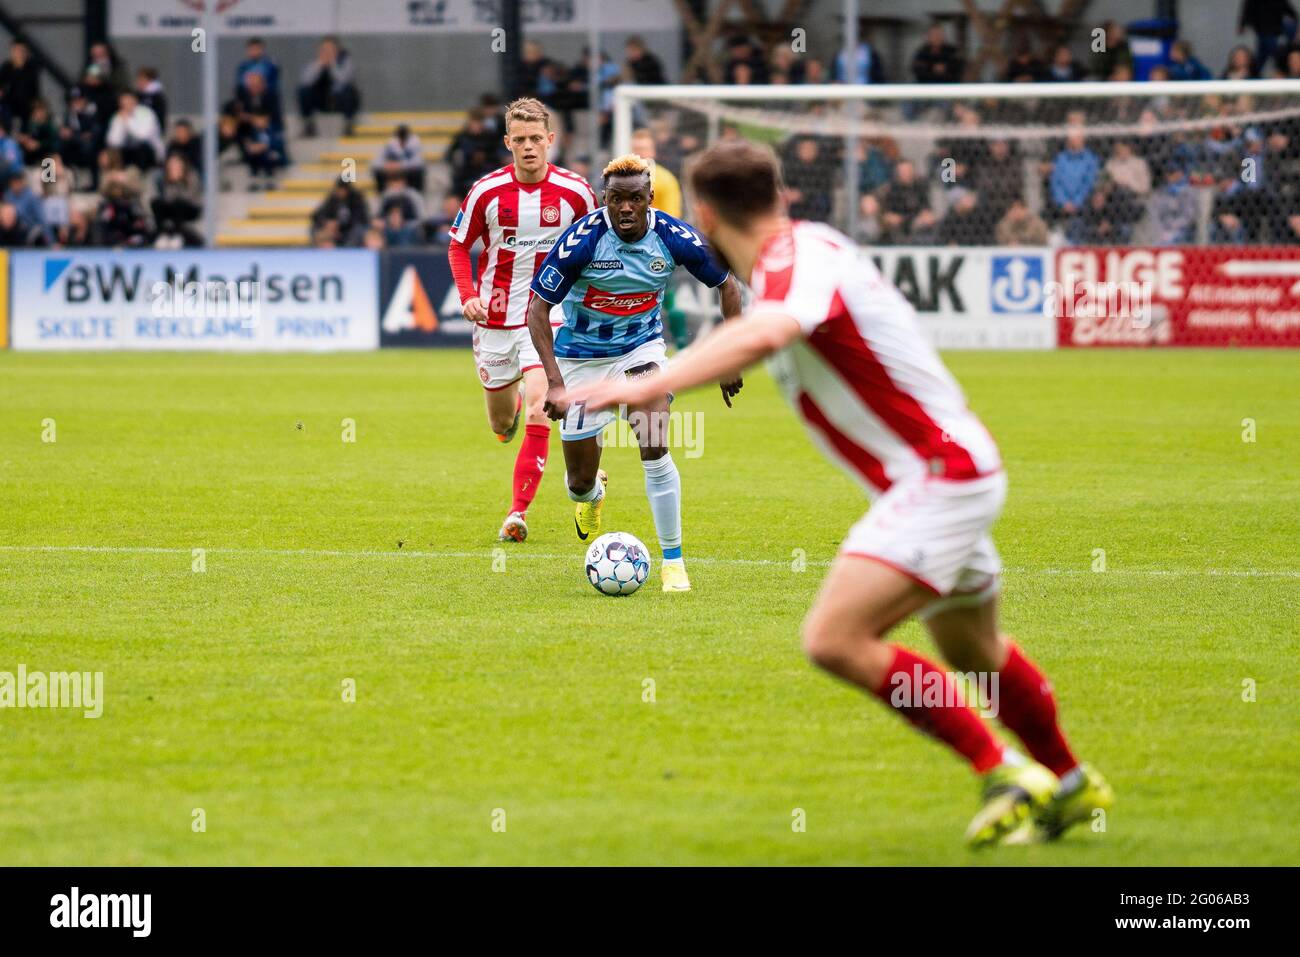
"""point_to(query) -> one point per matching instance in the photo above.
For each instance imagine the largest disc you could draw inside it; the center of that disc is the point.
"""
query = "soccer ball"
(617, 564)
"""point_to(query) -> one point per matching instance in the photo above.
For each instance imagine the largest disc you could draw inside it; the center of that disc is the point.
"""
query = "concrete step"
(298, 239)
(366, 154)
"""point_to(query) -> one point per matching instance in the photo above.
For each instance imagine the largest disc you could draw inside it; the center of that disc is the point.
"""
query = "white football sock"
(593, 494)
(663, 487)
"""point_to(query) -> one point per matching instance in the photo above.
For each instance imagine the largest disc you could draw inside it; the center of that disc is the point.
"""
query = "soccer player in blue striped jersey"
(608, 273)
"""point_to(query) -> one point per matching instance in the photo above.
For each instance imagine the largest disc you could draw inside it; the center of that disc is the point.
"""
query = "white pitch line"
(547, 556)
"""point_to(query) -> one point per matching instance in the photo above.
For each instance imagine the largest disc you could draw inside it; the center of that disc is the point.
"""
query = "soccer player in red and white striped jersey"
(518, 212)
(873, 394)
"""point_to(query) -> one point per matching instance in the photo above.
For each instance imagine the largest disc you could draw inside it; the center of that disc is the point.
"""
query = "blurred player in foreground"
(609, 272)
(519, 211)
(875, 397)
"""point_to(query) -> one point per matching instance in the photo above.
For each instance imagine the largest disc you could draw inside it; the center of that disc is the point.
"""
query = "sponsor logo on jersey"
(550, 278)
(550, 214)
(606, 264)
(514, 242)
(619, 303)
(658, 264)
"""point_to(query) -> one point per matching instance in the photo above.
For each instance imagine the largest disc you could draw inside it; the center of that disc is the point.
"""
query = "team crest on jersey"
(550, 278)
(658, 264)
(550, 214)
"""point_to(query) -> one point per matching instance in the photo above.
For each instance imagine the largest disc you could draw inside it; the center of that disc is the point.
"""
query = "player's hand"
(556, 404)
(616, 392)
(474, 310)
(730, 389)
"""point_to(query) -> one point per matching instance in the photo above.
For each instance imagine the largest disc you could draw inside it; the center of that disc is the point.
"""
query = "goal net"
(1048, 166)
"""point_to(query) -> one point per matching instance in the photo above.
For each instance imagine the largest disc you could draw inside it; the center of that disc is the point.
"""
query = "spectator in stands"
(784, 61)
(1291, 68)
(82, 135)
(937, 61)
(186, 144)
(1024, 67)
(473, 152)
(538, 73)
(1114, 52)
(120, 219)
(807, 183)
(112, 169)
(149, 89)
(77, 233)
(374, 239)
(402, 154)
(342, 215)
(1172, 210)
(177, 205)
(20, 82)
(328, 85)
(24, 199)
(905, 213)
(642, 66)
(999, 178)
(1241, 65)
(1128, 170)
(1183, 64)
(876, 160)
(399, 195)
(965, 223)
(56, 196)
(262, 147)
(100, 92)
(399, 231)
(256, 60)
(1110, 214)
(12, 231)
(440, 223)
(11, 152)
(107, 64)
(1073, 178)
(1021, 226)
(1245, 210)
(743, 52)
(867, 66)
(254, 97)
(1273, 22)
(39, 137)
(1063, 68)
(135, 132)
(814, 72)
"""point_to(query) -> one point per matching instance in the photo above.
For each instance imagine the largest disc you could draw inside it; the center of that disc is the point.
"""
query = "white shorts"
(936, 532)
(578, 422)
(503, 355)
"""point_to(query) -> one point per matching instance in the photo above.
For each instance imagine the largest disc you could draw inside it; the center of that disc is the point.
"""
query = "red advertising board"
(1177, 296)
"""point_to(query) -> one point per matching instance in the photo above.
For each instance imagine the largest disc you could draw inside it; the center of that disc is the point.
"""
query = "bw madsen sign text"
(247, 300)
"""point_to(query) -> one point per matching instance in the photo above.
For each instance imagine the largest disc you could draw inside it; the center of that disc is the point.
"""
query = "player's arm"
(466, 229)
(722, 355)
(729, 299)
(539, 328)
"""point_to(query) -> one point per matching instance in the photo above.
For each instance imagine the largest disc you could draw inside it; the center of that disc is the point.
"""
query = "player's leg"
(965, 630)
(497, 360)
(530, 463)
(504, 407)
(580, 430)
(663, 487)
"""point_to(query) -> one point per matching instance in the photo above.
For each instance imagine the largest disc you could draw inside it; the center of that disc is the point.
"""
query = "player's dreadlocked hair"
(628, 164)
(526, 110)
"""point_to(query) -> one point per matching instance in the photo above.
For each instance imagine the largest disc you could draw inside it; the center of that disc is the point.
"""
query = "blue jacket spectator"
(1183, 65)
(867, 67)
(31, 210)
(11, 154)
(256, 61)
(1074, 174)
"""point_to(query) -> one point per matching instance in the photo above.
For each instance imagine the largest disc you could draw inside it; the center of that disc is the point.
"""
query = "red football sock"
(1027, 707)
(529, 465)
(952, 723)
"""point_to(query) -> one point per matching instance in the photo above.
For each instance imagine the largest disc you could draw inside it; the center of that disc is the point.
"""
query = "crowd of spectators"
(101, 171)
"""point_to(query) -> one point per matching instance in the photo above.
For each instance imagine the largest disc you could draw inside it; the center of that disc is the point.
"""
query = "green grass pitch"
(522, 689)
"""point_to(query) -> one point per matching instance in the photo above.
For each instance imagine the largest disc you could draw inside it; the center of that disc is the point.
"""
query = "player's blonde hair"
(527, 109)
(629, 164)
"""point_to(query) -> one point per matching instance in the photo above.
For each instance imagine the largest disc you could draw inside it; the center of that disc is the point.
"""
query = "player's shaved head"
(739, 180)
